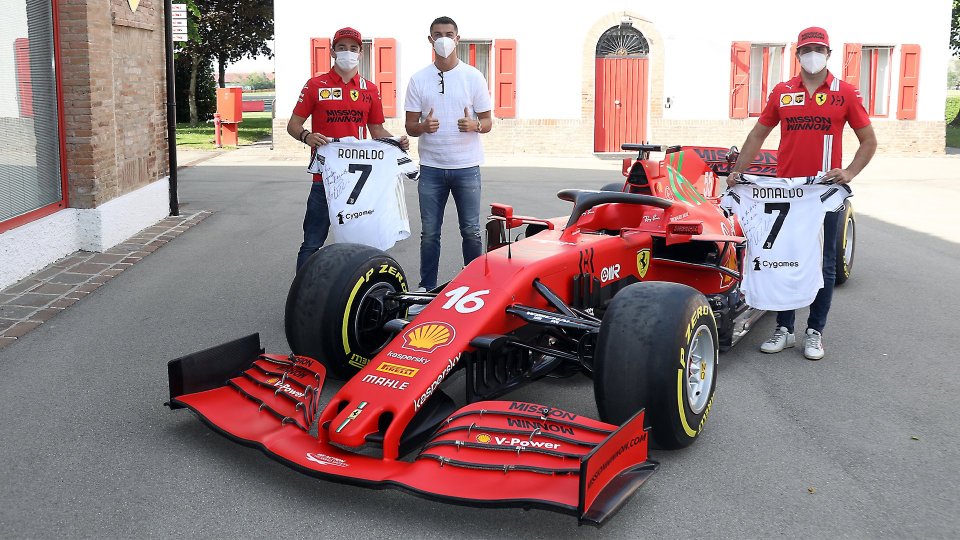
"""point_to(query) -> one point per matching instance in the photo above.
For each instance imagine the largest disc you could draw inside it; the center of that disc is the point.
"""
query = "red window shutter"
(385, 61)
(21, 53)
(909, 76)
(794, 63)
(739, 78)
(851, 63)
(319, 56)
(505, 81)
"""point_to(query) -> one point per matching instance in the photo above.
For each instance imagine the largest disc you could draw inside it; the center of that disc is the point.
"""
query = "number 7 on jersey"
(365, 171)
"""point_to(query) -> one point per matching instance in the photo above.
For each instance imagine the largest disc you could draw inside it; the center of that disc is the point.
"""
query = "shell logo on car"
(483, 438)
(428, 337)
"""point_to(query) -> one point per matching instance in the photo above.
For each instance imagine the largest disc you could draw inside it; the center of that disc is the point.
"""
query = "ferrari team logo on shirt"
(820, 98)
(354, 95)
(791, 99)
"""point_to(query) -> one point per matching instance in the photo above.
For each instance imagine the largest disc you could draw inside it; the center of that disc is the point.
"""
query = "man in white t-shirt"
(448, 106)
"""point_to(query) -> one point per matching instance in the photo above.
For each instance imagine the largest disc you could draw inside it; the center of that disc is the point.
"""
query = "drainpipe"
(171, 107)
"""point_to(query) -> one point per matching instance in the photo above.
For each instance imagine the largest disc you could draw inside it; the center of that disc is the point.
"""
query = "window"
(754, 70)
(477, 54)
(765, 70)
(30, 175)
(378, 63)
(875, 79)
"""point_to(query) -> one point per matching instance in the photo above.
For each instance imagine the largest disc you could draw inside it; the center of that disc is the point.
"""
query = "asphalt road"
(863, 444)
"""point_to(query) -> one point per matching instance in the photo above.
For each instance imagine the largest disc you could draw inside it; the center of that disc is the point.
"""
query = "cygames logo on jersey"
(342, 216)
(759, 264)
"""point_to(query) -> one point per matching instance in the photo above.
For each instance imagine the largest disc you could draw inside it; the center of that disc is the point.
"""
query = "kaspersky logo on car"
(429, 336)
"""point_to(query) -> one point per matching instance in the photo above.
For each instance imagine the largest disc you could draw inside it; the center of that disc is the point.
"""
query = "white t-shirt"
(782, 219)
(462, 86)
(363, 180)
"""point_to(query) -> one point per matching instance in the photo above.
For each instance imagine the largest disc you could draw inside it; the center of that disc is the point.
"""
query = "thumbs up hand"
(468, 122)
(430, 124)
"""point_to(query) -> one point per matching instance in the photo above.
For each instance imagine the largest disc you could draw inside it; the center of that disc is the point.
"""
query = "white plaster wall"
(550, 42)
(30, 247)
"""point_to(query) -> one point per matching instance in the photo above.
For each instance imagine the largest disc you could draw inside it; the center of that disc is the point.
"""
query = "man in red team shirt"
(340, 103)
(811, 109)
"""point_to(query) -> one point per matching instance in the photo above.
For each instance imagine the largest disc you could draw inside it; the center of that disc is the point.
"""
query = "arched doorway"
(621, 88)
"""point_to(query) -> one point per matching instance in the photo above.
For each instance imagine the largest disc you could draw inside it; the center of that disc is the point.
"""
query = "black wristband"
(302, 137)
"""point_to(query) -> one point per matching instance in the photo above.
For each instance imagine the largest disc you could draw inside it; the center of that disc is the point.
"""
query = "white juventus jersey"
(782, 219)
(363, 180)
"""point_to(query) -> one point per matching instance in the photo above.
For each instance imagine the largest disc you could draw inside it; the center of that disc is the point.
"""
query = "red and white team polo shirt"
(811, 126)
(340, 109)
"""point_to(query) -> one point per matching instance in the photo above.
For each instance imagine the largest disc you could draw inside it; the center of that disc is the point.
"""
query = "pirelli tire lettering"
(334, 308)
(657, 350)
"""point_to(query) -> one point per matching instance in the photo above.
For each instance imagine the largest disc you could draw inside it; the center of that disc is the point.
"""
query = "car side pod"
(488, 453)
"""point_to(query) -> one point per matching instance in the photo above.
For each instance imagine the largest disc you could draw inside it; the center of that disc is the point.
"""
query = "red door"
(621, 103)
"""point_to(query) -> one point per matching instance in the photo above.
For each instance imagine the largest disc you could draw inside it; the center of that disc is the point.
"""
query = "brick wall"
(114, 89)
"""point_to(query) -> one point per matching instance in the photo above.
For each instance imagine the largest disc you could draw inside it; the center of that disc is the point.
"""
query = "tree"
(205, 90)
(258, 81)
(955, 28)
(955, 42)
(225, 31)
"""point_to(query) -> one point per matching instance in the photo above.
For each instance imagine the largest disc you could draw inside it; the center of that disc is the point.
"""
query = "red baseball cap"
(813, 36)
(347, 33)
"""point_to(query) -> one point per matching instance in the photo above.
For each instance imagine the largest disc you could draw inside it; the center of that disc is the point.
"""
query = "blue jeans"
(316, 224)
(817, 319)
(434, 188)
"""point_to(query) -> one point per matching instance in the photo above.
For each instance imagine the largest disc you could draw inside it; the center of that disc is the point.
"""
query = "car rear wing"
(721, 160)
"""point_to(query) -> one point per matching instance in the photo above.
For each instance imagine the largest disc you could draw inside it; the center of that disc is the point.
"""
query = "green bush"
(953, 107)
(206, 90)
(258, 81)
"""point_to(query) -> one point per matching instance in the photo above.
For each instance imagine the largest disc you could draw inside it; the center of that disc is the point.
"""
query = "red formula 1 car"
(637, 288)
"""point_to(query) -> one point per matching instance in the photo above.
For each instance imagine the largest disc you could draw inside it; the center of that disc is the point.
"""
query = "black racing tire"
(613, 186)
(336, 306)
(649, 334)
(846, 243)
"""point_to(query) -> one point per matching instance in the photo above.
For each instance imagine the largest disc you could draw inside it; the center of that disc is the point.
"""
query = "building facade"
(582, 80)
(83, 163)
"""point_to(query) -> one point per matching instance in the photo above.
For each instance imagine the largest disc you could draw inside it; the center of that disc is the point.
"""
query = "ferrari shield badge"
(643, 262)
(133, 5)
(354, 94)
(821, 98)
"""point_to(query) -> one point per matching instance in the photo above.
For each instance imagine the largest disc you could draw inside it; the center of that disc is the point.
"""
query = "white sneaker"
(782, 339)
(813, 345)
(416, 308)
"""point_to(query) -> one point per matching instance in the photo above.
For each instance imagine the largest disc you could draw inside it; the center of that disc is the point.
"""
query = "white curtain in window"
(755, 97)
(883, 81)
(366, 60)
(483, 55)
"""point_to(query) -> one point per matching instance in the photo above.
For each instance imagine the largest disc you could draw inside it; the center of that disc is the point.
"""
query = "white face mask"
(813, 62)
(347, 60)
(444, 46)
